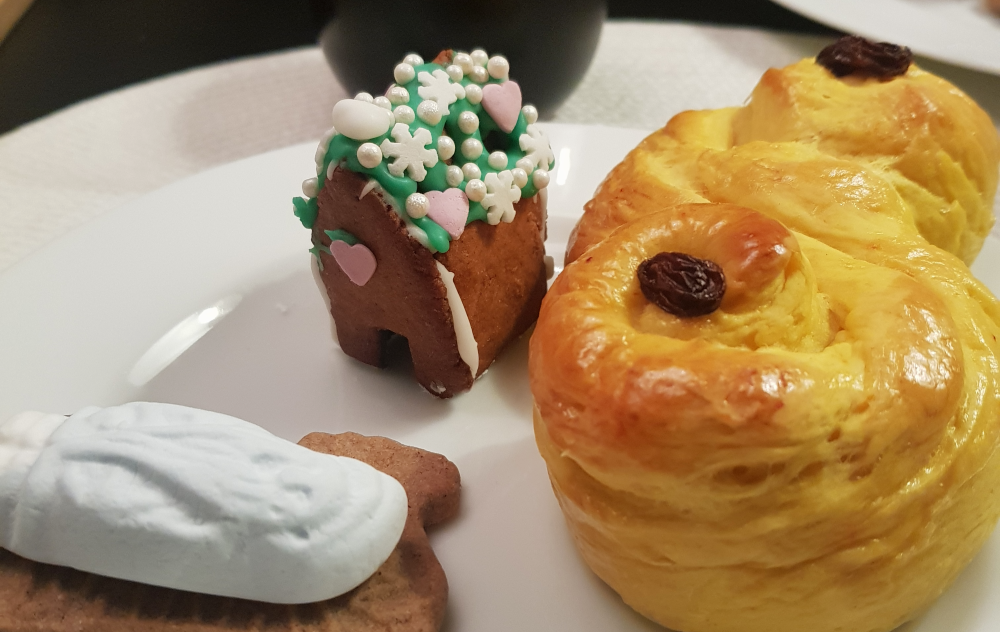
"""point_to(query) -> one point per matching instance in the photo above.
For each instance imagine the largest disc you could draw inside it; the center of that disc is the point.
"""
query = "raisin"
(682, 285)
(853, 55)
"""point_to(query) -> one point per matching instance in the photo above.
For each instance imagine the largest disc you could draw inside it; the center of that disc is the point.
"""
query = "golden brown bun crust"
(818, 454)
(408, 593)
(928, 150)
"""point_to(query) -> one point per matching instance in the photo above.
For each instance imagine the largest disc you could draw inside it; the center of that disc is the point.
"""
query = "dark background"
(62, 51)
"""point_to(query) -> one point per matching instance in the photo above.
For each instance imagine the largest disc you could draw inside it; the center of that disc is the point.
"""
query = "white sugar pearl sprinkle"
(417, 205)
(428, 112)
(404, 114)
(525, 164)
(453, 175)
(464, 61)
(398, 95)
(369, 155)
(446, 147)
(363, 96)
(479, 57)
(473, 94)
(471, 171)
(404, 73)
(479, 74)
(498, 67)
(475, 190)
(472, 148)
(497, 160)
(455, 72)
(540, 178)
(413, 59)
(468, 122)
(530, 114)
(520, 176)
(383, 102)
(309, 187)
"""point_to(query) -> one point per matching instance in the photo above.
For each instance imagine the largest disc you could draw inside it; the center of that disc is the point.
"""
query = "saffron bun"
(914, 148)
(820, 452)
(817, 454)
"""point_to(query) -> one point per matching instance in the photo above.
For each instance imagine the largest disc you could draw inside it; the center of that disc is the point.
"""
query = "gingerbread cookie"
(428, 217)
(407, 593)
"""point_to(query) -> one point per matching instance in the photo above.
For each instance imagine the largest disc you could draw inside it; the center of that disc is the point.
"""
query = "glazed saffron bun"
(913, 146)
(819, 453)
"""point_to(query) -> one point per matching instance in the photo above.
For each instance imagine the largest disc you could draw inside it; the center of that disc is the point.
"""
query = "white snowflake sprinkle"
(438, 87)
(410, 152)
(501, 193)
(537, 146)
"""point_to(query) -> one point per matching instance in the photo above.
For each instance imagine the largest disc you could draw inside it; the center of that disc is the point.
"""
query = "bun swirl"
(820, 452)
(913, 150)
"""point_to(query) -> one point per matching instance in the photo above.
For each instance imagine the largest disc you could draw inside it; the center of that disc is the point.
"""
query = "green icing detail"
(341, 235)
(437, 237)
(305, 210)
(316, 250)
(477, 213)
(435, 180)
(343, 150)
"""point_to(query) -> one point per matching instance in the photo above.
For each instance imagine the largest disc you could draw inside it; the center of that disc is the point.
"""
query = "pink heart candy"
(450, 209)
(357, 261)
(502, 101)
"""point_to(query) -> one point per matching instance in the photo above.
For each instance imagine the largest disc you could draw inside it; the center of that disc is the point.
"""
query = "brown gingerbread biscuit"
(408, 593)
(499, 273)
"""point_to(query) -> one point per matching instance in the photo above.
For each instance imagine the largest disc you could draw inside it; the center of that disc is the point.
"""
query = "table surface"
(68, 167)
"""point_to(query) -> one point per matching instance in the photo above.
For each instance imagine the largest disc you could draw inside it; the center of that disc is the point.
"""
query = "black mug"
(549, 43)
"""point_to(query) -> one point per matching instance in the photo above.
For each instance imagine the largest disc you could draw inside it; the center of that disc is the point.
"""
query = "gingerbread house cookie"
(428, 217)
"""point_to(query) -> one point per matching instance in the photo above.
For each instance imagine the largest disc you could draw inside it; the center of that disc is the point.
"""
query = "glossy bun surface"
(820, 453)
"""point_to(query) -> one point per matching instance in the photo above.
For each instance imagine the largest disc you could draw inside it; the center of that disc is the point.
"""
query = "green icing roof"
(343, 151)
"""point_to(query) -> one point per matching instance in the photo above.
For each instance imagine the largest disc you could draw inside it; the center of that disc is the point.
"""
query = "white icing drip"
(543, 199)
(318, 279)
(415, 232)
(468, 348)
(324, 145)
(372, 183)
(194, 500)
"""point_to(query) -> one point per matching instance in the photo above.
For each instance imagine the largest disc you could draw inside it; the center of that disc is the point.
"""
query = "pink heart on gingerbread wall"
(502, 101)
(357, 261)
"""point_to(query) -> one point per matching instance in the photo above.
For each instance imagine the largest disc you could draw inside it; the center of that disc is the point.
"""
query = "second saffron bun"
(913, 149)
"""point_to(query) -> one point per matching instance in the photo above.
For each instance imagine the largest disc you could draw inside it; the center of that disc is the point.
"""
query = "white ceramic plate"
(960, 32)
(97, 317)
